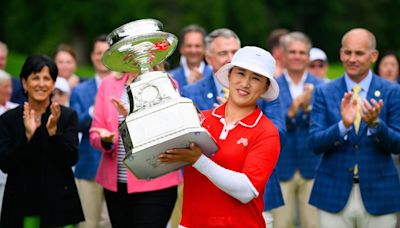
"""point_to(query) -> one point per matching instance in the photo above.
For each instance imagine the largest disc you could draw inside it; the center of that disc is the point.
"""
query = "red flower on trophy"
(161, 46)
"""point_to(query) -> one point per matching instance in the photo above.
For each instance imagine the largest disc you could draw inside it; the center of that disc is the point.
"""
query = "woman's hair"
(65, 48)
(387, 53)
(35, 63)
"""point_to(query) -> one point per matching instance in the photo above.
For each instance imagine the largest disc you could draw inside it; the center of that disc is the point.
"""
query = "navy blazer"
(179, 75)
(82, 98)
(296, 153)
(204, 95)
(378, 179)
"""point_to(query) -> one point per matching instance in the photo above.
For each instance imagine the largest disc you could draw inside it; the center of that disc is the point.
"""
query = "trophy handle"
(131, 100)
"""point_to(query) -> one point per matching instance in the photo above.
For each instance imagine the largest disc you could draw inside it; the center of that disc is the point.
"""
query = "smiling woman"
(227, 189)
(38, 148)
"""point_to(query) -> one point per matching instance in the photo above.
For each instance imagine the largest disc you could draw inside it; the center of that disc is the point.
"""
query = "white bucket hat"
(254, 59)
(62, 85)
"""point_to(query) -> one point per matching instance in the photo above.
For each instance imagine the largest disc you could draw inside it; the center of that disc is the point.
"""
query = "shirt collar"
(98, 80)
(249, 121)
(365, 83)
(186, 70)
(289, 79)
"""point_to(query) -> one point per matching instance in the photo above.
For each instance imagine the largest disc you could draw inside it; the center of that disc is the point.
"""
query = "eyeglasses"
(317, 65)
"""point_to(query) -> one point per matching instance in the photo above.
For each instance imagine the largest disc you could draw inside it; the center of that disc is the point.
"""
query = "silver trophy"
(159, 119)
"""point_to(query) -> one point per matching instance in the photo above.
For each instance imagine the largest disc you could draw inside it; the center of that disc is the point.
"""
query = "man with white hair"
(5, 104)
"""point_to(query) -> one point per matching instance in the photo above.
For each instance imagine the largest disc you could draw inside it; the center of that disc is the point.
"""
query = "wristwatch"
(374, 124)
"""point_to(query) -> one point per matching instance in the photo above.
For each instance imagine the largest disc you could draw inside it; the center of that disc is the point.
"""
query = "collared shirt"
(186, 68)
(98, 80)
(365, 84)
(249, 146)
(295, 89)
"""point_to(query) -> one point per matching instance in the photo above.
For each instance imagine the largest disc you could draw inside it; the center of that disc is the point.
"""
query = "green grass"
(16, 60)
(335, 70)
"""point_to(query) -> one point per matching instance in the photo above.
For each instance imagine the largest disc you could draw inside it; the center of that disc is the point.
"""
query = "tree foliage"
(39, 26)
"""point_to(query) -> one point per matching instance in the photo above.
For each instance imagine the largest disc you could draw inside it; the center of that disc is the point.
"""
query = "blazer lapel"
(209, 92)
(374, 86)
(286, 95)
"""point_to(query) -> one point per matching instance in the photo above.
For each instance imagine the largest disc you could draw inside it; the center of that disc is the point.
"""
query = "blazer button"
(356, 147)
(377, 139)
(351, 169)
(337, 143)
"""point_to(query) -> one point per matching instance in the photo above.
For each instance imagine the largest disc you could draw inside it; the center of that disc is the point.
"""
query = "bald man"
(355, 127)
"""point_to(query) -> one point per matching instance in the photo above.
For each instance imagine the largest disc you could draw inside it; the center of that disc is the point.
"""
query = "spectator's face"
(60, 97)
(221, 52)
(99, 49)
(66, 64)
(3, 59)
(357, 56)
(318, 68)
(389, 68)
(193, 48)
(5, 91)
(296, 56)
(39, 85)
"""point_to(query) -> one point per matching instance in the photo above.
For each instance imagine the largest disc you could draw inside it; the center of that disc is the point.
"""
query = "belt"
(356, 180)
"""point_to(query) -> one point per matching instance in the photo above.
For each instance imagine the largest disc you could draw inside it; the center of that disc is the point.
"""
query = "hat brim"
(271, 94)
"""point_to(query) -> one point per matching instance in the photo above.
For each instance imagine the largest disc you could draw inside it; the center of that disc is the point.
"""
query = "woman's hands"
(122, 110)
(189, 155)
(105, 135)
(51, 124)
(31, 122)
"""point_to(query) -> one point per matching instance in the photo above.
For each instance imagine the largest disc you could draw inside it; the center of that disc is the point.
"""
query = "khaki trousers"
(354, 215)
(177, 212)
(298, 190)
(93, 204)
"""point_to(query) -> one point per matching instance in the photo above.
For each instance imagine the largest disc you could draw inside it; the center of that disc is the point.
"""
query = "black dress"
(40, 180)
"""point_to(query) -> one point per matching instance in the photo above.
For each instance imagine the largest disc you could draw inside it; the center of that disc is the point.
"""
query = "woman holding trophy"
(227, 189)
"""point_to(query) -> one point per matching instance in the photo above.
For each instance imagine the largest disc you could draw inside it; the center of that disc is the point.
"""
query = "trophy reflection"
(159, 119)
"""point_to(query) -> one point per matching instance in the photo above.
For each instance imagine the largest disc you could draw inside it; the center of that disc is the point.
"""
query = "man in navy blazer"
(82, 100)
(355, 126)
(192, 48)
(221, 45)
(296, 163)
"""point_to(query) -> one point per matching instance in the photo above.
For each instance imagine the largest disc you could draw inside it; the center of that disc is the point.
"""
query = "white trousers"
(354, 215)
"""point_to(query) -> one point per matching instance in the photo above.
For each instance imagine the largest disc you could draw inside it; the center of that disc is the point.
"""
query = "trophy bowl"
(137, 46)
(159, 118)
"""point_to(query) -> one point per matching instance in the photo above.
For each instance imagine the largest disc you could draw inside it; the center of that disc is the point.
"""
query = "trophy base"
(144, 164)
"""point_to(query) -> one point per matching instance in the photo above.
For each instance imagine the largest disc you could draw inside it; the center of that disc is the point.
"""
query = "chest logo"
(243, 141)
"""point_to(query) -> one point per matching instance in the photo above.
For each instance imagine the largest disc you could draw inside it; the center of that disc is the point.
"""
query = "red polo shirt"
(251, 147)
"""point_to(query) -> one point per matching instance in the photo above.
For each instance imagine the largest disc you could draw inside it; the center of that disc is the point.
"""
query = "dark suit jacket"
(82, 97)
(296, 154)
(379, 181)
(40, 181)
